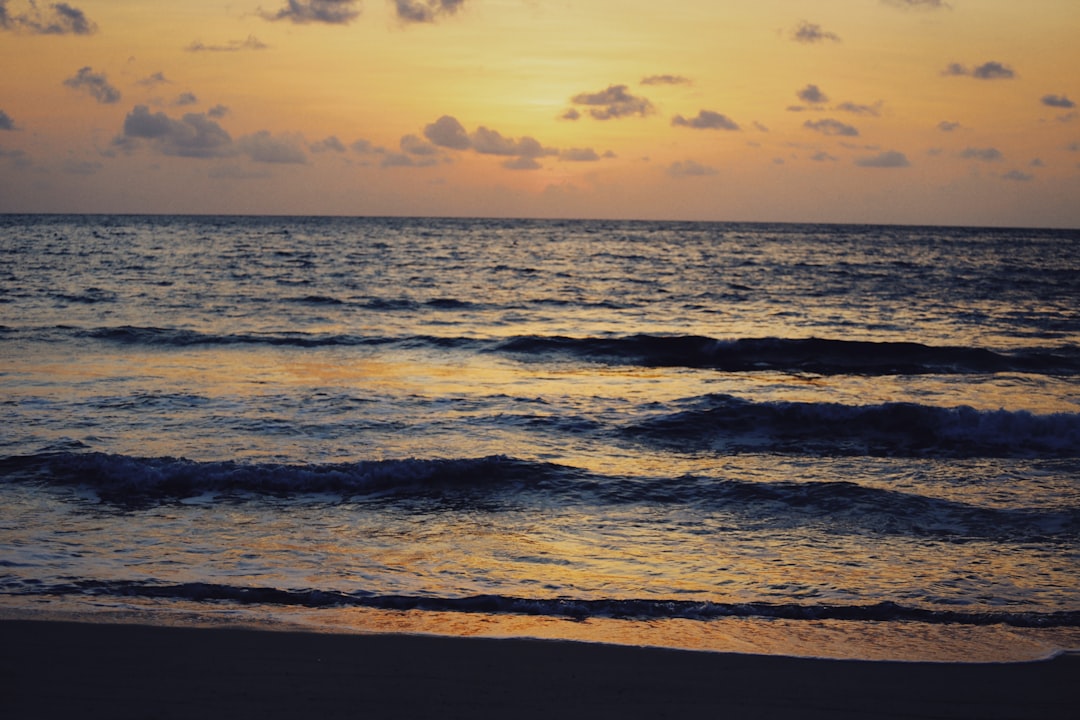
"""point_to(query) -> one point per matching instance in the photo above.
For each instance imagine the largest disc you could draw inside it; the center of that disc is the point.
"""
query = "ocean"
(835, 441)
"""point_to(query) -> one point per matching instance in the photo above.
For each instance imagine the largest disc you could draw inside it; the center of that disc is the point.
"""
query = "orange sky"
(890, 111)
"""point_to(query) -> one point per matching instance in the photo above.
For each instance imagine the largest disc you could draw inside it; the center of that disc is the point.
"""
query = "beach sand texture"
(75, 670)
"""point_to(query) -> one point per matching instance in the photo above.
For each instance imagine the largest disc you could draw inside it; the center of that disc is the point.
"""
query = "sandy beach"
(54, 669)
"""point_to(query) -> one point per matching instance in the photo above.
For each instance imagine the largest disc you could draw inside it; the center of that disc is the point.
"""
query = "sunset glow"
(884, 111)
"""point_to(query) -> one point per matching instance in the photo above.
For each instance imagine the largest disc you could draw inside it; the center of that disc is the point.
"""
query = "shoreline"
(62, 669)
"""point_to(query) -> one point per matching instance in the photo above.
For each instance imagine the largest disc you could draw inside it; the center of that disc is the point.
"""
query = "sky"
(957, 112)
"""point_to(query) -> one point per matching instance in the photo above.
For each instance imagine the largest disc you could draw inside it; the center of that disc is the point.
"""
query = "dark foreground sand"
(73, 670)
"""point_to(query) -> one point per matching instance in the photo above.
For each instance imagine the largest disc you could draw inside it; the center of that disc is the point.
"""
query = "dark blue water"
(717, 435)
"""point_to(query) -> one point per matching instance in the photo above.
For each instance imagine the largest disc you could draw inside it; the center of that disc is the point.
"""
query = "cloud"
(948, 126)
(154, 80)
(447, 132)
(706, 120)
(364, 147)
(491, 142)
(613, 102)
(991, 70)
(250, 43)
(665, 80)
(59, 19)
(828, 126)
(888, 159)
(690, 168)
(94, 83)
(522, 163)
(415, 145)
(984, 154)
(329, 144)
(856, 109)
(1017, 176)
(579, 155)
(812, 95)
(425, 11)
(302, 12)
(218, 111)
(266, 148)
(919, 4)
(193, 135)
(1057, 101)
(186, 99)
(570, 114)
(392, 160)
(6, 123)
(809, 33)
(822, 157)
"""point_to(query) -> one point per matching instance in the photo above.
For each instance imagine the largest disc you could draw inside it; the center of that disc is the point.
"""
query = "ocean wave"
(809, 355)
(562, 607)
(726, 423)
(818, 356)
(497, 481)
(132, 480)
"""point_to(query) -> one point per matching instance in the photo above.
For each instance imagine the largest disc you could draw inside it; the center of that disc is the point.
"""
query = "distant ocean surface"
(845, 441)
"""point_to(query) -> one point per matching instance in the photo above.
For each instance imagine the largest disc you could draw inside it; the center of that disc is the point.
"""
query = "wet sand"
(80, 670)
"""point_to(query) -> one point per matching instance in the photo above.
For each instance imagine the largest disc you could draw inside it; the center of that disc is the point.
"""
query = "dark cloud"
(857, 109)
(1017, 176)
(613, 102)
(570, 114)
(6, 123)
(665, 80)
(706, 120)
(690, 168)
(447, 132)
(490, 142)
(828, 126)
(59, 19)
(523, 152)
(522, 163)
(365, 147)
(991, 70)
(154, 80)
(94, 83)
(918, 4)
(985, 154)
(887, 159)
(185, 99)
(809, 33)
(193, 135)
(266, 148)
(579, 155)
(1057, 101)
(250, 43)
(948, 126)
(329, 144)
(425, 11)
(822, 157)
(330, 12)
(415, 145)
(217, 112)
(392, 160)
(812, 95)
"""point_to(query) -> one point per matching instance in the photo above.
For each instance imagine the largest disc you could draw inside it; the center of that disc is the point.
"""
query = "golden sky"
(867, 111)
